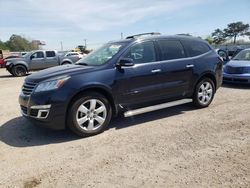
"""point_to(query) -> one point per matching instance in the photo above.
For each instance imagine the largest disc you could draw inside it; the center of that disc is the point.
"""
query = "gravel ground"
(175, 147)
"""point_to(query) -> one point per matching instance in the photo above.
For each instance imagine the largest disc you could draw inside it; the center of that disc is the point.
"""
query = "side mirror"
(31, 57)
(125, 62)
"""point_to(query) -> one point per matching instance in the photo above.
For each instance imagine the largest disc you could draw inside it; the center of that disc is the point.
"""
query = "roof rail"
(142, 34)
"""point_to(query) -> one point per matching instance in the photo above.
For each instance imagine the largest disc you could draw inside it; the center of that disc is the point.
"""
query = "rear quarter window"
(195, 48)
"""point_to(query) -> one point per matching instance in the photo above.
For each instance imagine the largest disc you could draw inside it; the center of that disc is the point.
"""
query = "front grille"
(237, 70)
(28, 88)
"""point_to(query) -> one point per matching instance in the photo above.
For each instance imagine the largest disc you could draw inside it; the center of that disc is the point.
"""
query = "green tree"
(3, 46)
(218, 36)
(19, 43)
(210, 39)
(235, 30)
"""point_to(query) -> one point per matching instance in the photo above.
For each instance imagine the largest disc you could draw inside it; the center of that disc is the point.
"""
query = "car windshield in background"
(102, 54)
(243, 55)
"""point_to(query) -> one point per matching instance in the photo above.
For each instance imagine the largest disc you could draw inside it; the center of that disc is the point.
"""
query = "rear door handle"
(156, 70)
(189, 65)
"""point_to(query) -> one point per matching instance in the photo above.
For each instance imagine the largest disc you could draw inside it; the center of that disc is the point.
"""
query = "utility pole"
(61, 46)
(85, 42)
(121, 35)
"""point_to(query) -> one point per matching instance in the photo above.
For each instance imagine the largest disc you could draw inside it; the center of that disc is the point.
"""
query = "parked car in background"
(119, 77)
(36, 60)
(74, 57)
(2, 63)
(237, 70)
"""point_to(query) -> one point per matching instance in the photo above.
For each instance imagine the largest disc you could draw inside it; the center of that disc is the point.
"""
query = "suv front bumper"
(40, 112)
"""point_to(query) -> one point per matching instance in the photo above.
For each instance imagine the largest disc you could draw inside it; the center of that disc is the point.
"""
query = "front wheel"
(204, 93)
(89, 114)
(19, 70)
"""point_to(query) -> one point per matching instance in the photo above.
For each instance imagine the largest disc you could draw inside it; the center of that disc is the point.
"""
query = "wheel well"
(97, 90)
(66, 62)
(211, 76)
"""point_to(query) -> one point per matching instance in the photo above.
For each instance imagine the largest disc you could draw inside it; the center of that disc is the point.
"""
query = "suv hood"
(56, 72)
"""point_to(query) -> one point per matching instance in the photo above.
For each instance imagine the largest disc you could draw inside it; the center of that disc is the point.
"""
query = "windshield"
(27, 55)
(102, 54)
(243, 55)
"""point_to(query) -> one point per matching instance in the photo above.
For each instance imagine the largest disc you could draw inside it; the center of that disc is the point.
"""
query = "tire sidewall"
(196, 99)
(72, 122)
(14, 70)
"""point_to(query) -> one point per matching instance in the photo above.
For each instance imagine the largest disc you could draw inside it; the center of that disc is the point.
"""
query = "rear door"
(37, 60)
(140, 82)
(51, 59)
(177, 69)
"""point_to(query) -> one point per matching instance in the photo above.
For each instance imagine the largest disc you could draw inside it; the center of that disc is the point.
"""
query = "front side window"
(142, 53)
(171, 49)
(102, 55)
(37, 55)
(195, 48)
(50, 54)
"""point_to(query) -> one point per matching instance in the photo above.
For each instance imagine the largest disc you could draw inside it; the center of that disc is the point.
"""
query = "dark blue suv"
(122, 76)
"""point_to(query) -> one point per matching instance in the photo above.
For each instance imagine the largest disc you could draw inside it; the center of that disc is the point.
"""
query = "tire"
(19, 70)
(204, 93)
(84, 119)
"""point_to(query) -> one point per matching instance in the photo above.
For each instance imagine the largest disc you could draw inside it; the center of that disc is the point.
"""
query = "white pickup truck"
(38, 60)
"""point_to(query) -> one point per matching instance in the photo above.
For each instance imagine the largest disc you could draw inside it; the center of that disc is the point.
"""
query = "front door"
(37, 60)
(139, 83)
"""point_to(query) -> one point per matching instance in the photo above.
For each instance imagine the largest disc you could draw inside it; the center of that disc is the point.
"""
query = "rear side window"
(195, 48)
(171, 49)
(142, 53)
(50, 54)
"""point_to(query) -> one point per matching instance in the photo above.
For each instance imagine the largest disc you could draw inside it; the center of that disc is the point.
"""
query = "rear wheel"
(19, 70)
(89, 114)
(204, 93)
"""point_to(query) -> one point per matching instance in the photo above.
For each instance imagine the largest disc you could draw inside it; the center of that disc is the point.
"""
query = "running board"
(156, 107)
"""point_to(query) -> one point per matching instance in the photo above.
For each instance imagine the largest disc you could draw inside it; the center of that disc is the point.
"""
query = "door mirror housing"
(125, 62)
(31, 57)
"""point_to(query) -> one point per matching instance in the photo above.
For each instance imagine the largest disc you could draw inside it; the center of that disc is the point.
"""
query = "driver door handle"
(156, 70)
(189, 65)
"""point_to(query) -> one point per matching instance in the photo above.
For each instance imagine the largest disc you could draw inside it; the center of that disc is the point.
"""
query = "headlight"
(7, 63)
(52, 84)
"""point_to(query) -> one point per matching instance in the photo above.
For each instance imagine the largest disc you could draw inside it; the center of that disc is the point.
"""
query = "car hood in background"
(238, 63)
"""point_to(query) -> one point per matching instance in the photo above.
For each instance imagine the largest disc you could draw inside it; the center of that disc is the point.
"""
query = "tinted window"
(38, 55)
(171, 49)
(142, 52)
(195, 48)
(50, 54)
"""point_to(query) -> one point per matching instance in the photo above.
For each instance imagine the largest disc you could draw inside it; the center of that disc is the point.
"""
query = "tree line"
(232, 31)
(18, 43)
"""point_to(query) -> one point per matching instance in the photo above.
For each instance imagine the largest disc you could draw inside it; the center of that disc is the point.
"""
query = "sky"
(99, 21)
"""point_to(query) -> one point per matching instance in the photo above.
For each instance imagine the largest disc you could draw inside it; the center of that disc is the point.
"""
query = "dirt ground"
(175, 147)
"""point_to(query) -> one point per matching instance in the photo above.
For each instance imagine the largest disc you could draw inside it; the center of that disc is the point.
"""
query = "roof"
(152, 37)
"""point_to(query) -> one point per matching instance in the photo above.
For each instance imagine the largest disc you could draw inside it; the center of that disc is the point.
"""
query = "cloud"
(97, 15)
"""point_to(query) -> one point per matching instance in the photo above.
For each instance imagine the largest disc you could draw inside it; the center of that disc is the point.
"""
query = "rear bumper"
(236, 78)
